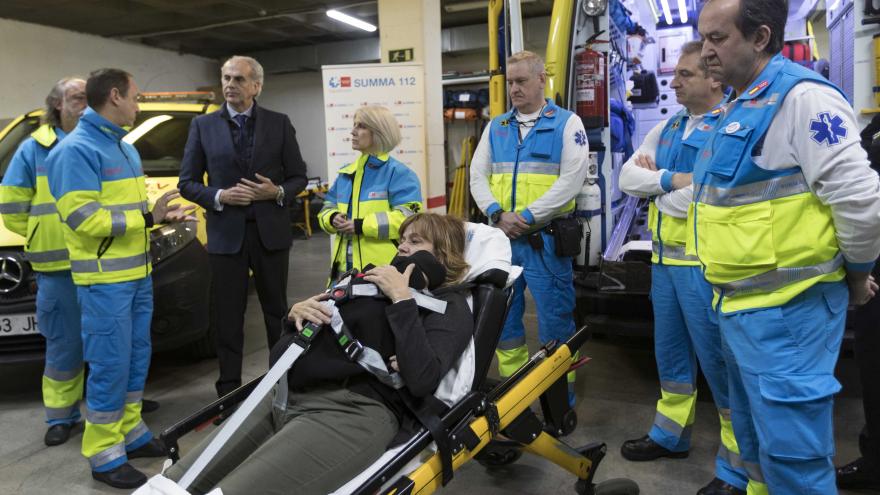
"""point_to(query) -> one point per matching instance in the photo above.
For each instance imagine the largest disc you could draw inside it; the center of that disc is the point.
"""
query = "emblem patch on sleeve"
(827, 129)
(580, 137)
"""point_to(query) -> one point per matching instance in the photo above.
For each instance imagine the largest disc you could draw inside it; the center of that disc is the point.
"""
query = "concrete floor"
(616, 391)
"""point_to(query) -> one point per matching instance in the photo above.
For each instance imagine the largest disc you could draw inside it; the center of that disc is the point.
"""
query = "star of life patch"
(827, 129)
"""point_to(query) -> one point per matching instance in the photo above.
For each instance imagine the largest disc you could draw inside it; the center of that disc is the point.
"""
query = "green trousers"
(324, 438)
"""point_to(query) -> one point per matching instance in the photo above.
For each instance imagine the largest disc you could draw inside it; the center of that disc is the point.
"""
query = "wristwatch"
(496, 215)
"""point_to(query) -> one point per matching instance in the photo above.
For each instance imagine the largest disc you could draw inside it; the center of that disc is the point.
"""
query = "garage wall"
(301, 97)
(33, 57)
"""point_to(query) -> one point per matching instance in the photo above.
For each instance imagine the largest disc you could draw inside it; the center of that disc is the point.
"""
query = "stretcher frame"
(493, 423)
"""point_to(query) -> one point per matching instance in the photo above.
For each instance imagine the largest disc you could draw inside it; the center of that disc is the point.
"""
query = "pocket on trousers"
(794, 418)
(100, 340)
(837, 301)
(46, 310)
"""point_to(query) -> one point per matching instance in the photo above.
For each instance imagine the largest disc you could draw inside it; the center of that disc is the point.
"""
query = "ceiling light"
(667, 14)
(654, 13)
(463, 6)
(683, 11)
(351, 21)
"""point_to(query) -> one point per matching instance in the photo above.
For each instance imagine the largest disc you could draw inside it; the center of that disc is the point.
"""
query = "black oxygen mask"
(427, 268)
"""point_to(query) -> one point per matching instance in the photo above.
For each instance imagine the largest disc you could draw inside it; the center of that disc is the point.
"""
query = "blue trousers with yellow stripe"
(781, 362)
(685, 330)
(58, 319)
(550, 279)
(116, 342)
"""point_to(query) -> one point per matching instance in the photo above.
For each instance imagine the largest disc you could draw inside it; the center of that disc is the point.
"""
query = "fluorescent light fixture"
(667, 14)
(654, 13)
(145, 127)
(463, 6)
(683, 11)
(351, 21)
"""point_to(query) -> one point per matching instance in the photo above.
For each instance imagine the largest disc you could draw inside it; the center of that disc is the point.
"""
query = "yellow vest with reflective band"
(523, 171)
(677, 154)
(28, 207)
(102, 198)
(762, 235)
(381, 192)
(668, 239)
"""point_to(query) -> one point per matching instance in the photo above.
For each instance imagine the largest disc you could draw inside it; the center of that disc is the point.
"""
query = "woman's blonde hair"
(447, 234)
(381, 122)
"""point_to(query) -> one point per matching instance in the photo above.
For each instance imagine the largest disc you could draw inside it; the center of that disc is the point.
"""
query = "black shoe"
(645, 449)
(224, 388)
(58, 434)
(153, 448)
(148, 406)
(858, 474)
(720, 487)
(125, 476)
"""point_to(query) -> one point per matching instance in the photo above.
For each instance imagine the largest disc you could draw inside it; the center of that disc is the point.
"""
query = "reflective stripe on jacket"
(523, 171)
(381, 192)
(677, 154)
(27, 206)
(763, 235)
(102, 198)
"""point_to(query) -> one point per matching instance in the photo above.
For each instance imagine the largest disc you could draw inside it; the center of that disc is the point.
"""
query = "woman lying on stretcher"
(339, 418)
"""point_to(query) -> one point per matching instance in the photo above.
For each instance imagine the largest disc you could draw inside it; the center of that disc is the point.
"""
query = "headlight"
(169, 239)
(596, 7)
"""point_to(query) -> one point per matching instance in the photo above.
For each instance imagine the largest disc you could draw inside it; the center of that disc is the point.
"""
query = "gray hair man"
(527, 169)
(28, 209)
(255, 170)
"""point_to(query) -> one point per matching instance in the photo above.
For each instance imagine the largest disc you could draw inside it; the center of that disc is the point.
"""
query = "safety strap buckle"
(307, 335)
(351, 347)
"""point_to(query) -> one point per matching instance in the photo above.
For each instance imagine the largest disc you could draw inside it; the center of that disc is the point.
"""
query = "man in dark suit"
(254, 169)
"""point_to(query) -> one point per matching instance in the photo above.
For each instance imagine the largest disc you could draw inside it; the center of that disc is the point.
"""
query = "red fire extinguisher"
(591, 83)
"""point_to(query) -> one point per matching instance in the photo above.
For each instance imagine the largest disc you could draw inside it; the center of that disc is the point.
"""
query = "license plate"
(18, 325)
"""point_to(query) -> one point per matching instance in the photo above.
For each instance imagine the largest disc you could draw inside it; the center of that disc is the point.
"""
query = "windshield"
(158, 136)
(15, 136)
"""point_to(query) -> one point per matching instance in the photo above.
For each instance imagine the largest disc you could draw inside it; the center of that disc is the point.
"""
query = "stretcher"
(492, 424)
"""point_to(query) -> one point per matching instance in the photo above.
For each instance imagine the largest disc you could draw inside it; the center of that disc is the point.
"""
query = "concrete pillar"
(416, 24)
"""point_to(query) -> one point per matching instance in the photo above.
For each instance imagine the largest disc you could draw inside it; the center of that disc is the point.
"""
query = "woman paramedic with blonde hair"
(371, 196)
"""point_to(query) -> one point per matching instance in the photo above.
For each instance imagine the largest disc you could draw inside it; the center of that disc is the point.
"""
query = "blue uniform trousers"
(116, 337)
(686, 329)
(781, 363)
(550, 279)
(58, 319)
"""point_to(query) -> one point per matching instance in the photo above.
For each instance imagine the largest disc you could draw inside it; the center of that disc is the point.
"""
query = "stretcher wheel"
(616, 486)
(498, 455)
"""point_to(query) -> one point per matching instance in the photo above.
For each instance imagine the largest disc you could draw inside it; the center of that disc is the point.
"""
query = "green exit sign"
(403, 55)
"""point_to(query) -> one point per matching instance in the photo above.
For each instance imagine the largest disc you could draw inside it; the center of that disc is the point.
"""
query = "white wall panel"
(33, 57)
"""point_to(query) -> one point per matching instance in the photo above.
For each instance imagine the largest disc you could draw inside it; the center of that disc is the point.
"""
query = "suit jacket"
(276, 155)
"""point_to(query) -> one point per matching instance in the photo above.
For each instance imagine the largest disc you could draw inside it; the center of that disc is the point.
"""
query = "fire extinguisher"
(591, 84)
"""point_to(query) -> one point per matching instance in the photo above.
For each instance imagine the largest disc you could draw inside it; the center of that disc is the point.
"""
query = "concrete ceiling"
(219, 28)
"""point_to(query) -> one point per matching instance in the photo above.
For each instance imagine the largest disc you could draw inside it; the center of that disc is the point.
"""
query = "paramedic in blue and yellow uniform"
(527, 169)
(786, 216)
(371, 196)
(28, 209)
(685, 329)
(102, 201)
